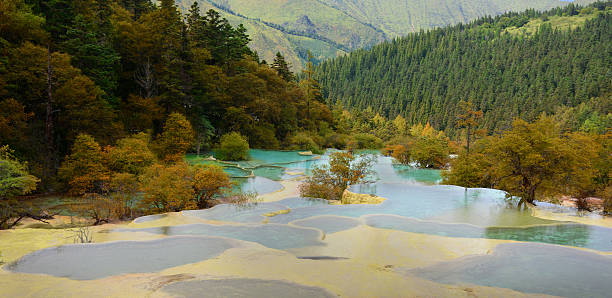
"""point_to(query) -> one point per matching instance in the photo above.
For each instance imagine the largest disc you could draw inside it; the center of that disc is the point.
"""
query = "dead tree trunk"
(49, 125)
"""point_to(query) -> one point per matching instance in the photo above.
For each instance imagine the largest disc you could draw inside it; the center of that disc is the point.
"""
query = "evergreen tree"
(282, 68)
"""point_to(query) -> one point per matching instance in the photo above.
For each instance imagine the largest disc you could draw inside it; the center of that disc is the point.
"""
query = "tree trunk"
(468, 140)
(49, 125)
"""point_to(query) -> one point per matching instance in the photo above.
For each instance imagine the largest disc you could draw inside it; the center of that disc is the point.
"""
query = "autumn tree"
(531, 161)
(468, 119)
(401, 125)
(167, 188)
(139, 114)
(469, 170)
(176, 138)
(233, 146)
(209, 181)
(330, 181)
(131, 155)
(122, 191)
(14, 181)
(13, 122)
(84, 170)
(424, 146)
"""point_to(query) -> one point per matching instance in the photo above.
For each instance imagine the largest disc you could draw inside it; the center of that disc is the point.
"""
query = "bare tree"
(145, 78)
(83, 235)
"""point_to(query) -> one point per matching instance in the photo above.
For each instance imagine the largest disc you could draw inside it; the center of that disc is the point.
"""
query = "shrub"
(338, 141)
(131, 155)
(367, 141)
(176, 139)
(167, 188)
(263, 137)
(84, 170)
(233, 146)
(302, 141)
(209, 181)
(329, 181)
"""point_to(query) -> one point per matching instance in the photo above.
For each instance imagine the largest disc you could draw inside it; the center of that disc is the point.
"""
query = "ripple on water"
(530, 268)
(243, 287)
(98, 260)
(269, 235)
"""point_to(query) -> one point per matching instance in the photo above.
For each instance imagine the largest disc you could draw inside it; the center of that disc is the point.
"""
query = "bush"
(176, 139)
(338, 141)
(209, 181)
(84, 170)
(233, 146)
(302, 141)
(167, 188)
(263, 137)
(131, 155)
(329, 181)
(365, 141)
(425, 151)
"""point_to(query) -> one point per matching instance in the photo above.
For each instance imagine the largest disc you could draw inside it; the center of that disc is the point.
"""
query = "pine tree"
(282, 68)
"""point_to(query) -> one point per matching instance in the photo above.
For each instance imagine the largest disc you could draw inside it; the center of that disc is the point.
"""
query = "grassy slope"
(556, 22)
(326, 21)
(267, 40)
(400, 17)
(334, 25)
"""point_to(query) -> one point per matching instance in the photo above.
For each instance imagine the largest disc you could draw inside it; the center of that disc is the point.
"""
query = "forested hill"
(515, 65)
(328, 28)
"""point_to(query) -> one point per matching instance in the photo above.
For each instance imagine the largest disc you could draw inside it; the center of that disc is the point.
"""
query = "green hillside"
(400, 17)
(267, 41)
(330, 27)
(515, 65)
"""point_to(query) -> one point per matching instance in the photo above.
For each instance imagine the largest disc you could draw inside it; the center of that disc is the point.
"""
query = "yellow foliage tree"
(330, 181)
(167, 188)
(208, 182)
(84, 170)
(176, 139)
(131, 155)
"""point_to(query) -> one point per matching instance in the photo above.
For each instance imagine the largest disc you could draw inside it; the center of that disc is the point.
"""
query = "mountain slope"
(330, 27)
(400, 17)
(268, 40)
(516, 65)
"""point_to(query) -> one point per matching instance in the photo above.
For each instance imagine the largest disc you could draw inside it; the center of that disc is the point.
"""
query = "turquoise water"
(415, 203)
(544, 260)
(530, 268)
(93, 261)
(269, 235)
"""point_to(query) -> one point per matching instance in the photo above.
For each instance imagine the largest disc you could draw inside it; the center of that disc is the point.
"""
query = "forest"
(513, 65)
(101, 100)
(92, 90)
(113, 69)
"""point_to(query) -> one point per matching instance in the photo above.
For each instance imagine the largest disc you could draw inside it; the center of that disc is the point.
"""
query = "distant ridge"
(333, 27)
